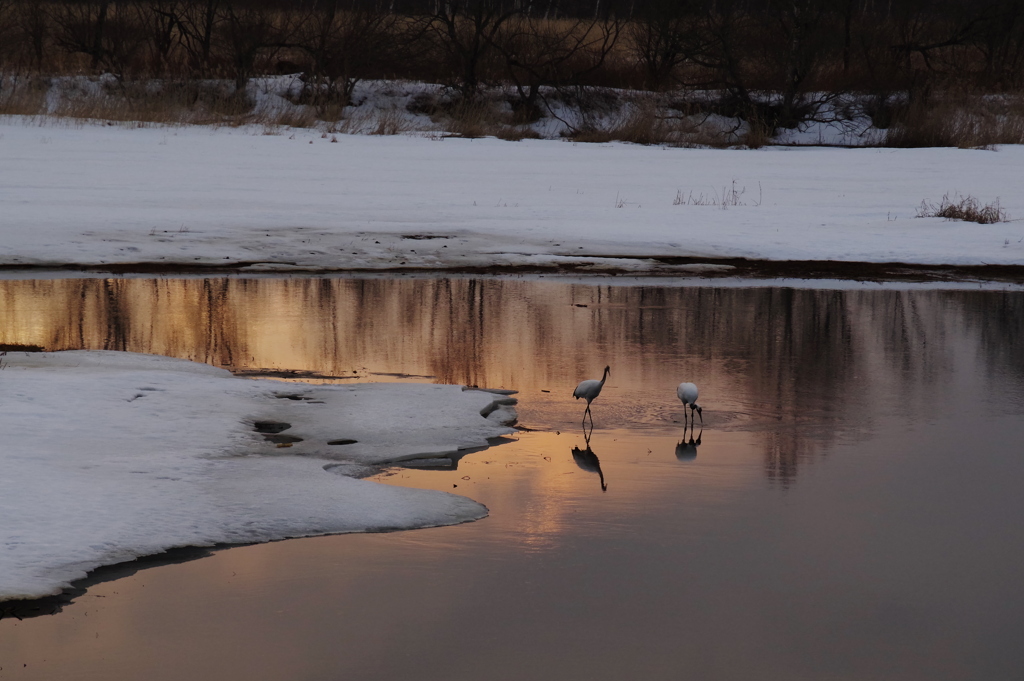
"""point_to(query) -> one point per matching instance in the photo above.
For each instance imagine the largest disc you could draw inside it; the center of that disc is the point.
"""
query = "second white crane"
(687, 393)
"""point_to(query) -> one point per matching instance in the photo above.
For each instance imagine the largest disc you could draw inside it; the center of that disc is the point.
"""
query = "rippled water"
(851, 509)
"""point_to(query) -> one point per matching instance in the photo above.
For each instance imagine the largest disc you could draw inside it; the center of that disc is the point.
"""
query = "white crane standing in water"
(589, 390)
(687, 393)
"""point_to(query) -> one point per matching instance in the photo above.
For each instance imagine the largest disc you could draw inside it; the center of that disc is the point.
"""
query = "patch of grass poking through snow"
(965, 208)
(730, 196)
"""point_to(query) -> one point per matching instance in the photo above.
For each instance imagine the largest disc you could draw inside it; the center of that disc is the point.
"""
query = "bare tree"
(662, 39)
(104, 30)
(538, 53)
(252, 31)
(159, 20)
(34, 28)
(197, 24)
(803, 43)
(81, 27)
(7, 13)
(465, 32)
(345, 41)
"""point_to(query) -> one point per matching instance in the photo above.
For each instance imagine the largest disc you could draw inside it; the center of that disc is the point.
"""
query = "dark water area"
(851, 509)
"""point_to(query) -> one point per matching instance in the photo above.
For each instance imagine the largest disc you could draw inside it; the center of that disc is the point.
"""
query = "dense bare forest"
(772, 64)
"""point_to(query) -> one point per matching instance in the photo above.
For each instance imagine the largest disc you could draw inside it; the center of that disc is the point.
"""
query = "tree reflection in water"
(776, 359)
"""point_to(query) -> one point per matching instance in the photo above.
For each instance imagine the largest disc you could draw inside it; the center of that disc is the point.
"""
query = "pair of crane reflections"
(589, 390)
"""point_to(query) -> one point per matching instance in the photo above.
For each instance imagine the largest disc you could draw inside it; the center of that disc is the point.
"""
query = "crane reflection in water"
(686, 450)
(587, 460)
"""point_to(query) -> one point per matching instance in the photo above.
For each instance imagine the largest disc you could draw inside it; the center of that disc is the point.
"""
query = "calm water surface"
(852, 509)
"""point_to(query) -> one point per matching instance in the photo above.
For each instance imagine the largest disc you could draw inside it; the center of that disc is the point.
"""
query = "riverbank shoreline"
(755, 272)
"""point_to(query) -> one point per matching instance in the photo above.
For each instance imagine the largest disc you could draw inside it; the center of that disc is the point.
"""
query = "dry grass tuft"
(648, 121)
(473, 118)
(389, 122)
(757, 134)
(23, 96)
(296, 117)
(730, 196)
(967, 208)
(468, 119)
(515, 133)
(642, 123)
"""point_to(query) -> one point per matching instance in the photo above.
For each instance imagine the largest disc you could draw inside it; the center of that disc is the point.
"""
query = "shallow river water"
(851, 509)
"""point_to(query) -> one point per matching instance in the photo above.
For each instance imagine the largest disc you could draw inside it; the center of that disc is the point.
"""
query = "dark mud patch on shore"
(857, 271)
(51, 605)
(593, 265)
(295, 374)
(18, 347)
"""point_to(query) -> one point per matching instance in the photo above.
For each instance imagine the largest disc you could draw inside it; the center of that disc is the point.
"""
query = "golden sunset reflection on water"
(758, 355)
(772, 360)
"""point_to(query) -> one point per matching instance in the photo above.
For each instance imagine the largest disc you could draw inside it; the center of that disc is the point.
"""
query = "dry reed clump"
(388, 122)
(757, 134)
(294, 117)
(515, 133)
(965, 208)
(730, 196)
(368, 121)
(643, 122)
(479, 116)
(23, 96)
(699, 128)
(357, 123)
(959, 121)
(469, 118)
(647, 121)
(647, 124)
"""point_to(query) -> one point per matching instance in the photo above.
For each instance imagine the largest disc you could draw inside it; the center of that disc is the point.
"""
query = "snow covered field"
(109, 456)
(95, 195)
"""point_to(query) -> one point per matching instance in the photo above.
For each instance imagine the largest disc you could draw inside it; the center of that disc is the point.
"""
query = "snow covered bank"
(174, 197)
(110, 456)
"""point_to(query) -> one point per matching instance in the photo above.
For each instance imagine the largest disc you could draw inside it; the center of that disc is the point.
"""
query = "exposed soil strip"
(737, 267)
(299, 374)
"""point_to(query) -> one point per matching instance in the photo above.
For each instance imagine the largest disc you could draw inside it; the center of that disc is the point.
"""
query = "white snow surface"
(109, 456)
(96, 195)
